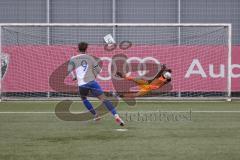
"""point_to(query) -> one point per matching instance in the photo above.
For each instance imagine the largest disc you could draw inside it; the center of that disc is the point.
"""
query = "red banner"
(195, 68)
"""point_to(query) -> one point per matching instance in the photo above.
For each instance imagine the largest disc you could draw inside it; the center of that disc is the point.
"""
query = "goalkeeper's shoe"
(119, 120)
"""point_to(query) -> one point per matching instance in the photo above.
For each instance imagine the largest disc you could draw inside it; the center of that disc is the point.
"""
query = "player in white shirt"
(84, 68)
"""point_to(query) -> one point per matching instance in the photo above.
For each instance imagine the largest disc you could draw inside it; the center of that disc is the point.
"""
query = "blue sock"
(110, 106)
(89, 106)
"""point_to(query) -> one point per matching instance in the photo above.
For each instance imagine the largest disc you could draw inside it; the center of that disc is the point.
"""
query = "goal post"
(201, 63)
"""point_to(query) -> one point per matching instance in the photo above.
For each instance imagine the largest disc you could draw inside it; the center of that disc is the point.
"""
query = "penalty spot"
(121, 129)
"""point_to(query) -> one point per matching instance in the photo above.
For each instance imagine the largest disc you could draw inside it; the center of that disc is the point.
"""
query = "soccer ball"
(167, 75)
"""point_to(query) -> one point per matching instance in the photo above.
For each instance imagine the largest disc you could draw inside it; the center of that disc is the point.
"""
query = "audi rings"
(142, 63)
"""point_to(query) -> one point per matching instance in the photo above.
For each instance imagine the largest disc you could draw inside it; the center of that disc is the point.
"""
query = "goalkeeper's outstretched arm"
(160, 73)
(163, 67)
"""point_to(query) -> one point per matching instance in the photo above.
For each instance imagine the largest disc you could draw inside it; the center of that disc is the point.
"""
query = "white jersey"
(85, 66)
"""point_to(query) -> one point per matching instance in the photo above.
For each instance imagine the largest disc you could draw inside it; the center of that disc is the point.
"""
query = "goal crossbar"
(117, 24)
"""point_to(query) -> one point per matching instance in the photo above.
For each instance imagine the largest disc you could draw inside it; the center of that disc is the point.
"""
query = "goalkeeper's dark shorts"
(92, 87)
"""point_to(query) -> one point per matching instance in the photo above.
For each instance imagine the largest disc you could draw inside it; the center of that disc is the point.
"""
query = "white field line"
(127, 112)
(137, 100)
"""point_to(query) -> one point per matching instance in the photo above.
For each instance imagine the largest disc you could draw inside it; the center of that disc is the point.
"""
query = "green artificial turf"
(169, 135)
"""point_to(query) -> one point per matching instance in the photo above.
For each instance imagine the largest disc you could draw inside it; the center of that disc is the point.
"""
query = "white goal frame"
(228, 25)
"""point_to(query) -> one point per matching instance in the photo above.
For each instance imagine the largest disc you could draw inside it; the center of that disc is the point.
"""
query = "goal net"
(34, 58)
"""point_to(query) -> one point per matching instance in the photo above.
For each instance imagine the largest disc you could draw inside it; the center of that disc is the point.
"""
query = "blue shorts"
(92, 86)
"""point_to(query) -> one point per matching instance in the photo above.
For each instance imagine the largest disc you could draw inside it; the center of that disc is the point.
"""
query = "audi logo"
(141, 64)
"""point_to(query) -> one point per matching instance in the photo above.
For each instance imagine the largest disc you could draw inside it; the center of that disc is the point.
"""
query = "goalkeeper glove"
(119, 74)
(163, 66)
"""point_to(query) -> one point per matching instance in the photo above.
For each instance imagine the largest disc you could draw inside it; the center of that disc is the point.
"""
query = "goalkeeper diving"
(162, 78)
